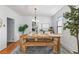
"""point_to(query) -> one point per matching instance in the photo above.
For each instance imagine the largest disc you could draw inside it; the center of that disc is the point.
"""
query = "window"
(60, 25)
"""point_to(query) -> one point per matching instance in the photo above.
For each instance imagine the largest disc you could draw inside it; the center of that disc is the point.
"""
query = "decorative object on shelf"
(51, 30)
(1, 23)
(23, 28)
(43, 31)
(33, 29)
(72, 22)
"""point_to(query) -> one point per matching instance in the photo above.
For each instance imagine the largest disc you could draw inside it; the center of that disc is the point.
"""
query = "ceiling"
(42, 10)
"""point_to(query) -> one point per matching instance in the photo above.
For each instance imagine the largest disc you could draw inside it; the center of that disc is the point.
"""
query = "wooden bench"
(54, 44)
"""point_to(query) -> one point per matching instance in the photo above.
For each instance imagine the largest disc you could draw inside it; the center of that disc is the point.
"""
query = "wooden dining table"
(50, 40)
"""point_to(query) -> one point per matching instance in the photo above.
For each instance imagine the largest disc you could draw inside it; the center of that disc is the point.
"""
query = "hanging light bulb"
(36, 22)
(35, 15)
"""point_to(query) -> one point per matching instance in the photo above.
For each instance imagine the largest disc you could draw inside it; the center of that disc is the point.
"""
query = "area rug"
(39, 50)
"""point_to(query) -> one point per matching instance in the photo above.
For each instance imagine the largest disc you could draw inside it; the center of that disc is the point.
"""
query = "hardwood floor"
(13, 46)
(10, 48)
(8, 43)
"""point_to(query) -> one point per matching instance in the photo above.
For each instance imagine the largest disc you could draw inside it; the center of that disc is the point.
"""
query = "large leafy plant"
(72, 22)
(23, 28)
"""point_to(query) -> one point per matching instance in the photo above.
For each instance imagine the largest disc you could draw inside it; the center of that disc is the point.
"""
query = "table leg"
(55, 49)
(23, 49)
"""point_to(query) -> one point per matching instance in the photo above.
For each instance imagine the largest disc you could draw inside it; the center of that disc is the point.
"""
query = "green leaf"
(23, 28)
(72, 22)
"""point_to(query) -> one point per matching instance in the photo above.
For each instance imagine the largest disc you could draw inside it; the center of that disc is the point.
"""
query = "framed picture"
(45, 26)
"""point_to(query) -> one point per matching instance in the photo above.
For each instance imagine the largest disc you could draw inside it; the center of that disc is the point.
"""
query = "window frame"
(58, 19)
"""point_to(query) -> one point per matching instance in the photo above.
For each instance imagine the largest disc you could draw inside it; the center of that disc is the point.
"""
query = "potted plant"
(23, 28)
(72, 22)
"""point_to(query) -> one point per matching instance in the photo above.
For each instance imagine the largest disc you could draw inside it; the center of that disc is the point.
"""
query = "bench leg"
(56, 50)
(23, 49)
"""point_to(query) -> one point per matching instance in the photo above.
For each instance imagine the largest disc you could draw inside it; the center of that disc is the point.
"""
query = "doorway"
(10, 31)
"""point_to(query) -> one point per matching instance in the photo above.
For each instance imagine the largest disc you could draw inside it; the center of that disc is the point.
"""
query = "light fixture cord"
(35, 13)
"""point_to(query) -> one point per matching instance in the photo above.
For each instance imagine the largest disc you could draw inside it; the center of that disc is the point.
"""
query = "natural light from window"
(60, 25)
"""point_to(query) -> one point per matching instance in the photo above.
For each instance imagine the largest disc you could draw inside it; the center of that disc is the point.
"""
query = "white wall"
(67, 40)
(4, 13)
(19, 20)
(44, 20)
(26, 20)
